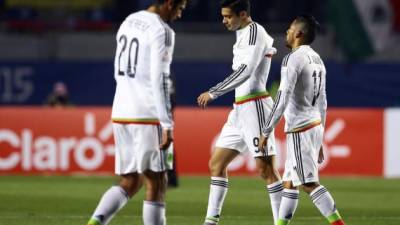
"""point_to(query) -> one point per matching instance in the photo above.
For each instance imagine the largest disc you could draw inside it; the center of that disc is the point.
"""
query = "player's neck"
(158, 9)
(296, 45)
(245, 22)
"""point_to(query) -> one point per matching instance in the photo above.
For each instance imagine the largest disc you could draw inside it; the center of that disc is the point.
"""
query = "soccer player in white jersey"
(301, 98)
(141, 114)
(251, 64)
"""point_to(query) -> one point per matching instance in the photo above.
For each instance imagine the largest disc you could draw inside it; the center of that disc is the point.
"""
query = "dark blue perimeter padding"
(92, 83)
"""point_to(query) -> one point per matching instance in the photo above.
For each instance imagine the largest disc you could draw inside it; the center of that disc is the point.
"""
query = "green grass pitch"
(71, 200)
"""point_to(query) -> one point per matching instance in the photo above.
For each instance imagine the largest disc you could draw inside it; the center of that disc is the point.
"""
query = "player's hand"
(262, 143)
(204, 99)
(167, 138)
(321, 155)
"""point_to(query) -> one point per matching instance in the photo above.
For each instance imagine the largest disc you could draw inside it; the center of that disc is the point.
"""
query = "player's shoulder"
(139, 15)
(308, 55)
(259, 27)
(151, 19)
(136, 21)
(296, 56)
(161, 27)
(258, 35)
(314, 57)
(311, 51)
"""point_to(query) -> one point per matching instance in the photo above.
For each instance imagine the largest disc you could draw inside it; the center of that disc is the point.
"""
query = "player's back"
(134, 96)
(309, 90)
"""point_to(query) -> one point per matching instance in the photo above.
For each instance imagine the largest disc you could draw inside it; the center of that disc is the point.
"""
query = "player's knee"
(216, 168)
(131, 183)
(265, 172)
(154, 193)
(156, 187)
(309, 187)
(265, 168)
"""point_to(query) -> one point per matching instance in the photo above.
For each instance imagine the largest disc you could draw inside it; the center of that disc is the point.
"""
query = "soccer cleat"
(207, 223)
(338, 222)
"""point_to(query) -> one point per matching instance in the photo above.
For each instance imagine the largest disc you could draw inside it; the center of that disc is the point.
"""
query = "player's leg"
(253, 116)
(153, 165)
(322, 199)
(125, 166)
(267, 169)
(229, 144)
(289, 202)
(290, 193)
(115, 198)
(154, 203)
(218, 164)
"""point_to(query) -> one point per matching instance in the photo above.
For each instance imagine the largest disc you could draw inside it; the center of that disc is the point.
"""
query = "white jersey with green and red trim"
(143, 56)
(251, 64)
(301, 96)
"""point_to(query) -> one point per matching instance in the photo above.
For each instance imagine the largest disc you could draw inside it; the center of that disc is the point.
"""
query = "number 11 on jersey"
(316, 76)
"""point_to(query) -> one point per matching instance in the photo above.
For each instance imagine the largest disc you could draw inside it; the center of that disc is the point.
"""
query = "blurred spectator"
(96, 15)
(60, 96)
(396, 12)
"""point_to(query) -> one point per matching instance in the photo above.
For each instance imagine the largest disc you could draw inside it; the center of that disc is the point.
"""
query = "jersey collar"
(241, 31)
(298, 47)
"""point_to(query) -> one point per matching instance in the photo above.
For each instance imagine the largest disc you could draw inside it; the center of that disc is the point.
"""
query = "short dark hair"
(236, 6)
(310, 27)
(160, 2)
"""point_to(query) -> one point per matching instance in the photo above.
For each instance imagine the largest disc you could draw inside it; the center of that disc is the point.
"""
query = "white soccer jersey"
(251, 64)
(145, 46)
(301, 96)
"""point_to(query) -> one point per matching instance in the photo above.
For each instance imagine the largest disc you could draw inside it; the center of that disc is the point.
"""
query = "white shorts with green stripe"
(301, 164)
(137, 148)
(242, 130)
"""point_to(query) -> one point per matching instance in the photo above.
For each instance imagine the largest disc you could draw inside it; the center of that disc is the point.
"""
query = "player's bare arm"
(203, 99)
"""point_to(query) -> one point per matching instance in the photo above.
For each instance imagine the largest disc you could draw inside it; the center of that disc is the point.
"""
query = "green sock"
(93, 222)
(283, 222)
(334, 217)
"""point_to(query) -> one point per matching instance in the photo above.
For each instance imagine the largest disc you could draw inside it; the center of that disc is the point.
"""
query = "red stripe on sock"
(338, 222)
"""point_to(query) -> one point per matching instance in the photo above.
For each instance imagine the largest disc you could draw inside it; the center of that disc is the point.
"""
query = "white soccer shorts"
(301, 164)
(242, 130)
(137, 148)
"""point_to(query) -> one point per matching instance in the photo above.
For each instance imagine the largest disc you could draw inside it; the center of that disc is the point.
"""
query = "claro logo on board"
(46, 153)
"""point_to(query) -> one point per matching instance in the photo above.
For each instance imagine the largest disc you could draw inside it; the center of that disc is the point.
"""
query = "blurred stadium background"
(68, 46)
